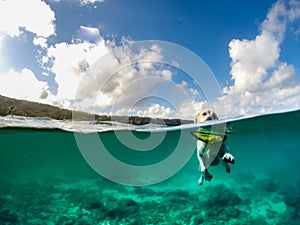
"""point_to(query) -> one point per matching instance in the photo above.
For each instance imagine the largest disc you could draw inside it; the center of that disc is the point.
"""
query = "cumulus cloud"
(101, 76)
(262, 82)
(23, 85)
(189, 108)
(156, 110)
(32, 15)
(70, 62)
(124, 76)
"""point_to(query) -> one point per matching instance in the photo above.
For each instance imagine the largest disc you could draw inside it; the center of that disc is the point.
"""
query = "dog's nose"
(209, 118)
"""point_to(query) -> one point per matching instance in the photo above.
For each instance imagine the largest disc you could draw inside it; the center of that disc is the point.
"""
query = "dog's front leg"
(201, 164)
(201, 146)
(205, 175)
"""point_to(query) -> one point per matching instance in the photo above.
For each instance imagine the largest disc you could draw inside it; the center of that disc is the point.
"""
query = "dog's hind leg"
(201, 179)
(227, 167)
(207, 175)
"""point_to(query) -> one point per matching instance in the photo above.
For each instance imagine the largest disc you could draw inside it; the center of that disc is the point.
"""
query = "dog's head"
(205, 115)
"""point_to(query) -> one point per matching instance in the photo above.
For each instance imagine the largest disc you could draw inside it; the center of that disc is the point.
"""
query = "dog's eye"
(204, 114)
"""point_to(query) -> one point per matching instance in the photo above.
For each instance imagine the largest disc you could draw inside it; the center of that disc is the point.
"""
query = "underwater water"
(45, 178)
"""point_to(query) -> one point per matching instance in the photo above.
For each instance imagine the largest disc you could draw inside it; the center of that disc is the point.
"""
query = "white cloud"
(125, 76)
(118, 81)
(276, 20)
(88, 34)
(23, 85)
(70, 64)
(294, 12)
(262, 83)
(90, 30)
(251, 59)
(40, 41)
(167, 74)
(156, 111)
(283, 76)
(189, 108)
(191, 91)
(86, 2)
(32, 15)
(152, 110)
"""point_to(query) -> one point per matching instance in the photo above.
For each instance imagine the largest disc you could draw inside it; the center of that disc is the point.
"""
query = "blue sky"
(252, 47)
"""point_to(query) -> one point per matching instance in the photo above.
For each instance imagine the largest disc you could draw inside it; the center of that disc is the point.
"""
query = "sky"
(80, 54)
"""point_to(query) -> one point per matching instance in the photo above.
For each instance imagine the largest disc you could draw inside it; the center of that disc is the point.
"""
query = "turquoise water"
(45, 179)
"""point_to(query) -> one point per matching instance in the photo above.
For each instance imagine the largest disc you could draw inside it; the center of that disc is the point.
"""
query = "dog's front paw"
(227, 157)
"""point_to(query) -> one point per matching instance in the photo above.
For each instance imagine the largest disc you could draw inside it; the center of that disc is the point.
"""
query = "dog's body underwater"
(211, 154)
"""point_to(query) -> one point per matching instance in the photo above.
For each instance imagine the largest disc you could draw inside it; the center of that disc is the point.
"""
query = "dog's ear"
(214, 116)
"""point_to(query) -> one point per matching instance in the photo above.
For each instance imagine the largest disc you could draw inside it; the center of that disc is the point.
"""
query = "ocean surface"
(64, 172)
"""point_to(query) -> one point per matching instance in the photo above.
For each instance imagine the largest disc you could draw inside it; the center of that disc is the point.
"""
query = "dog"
(210, 154)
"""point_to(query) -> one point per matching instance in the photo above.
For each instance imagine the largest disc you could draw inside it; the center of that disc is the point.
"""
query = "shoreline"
(11, 106)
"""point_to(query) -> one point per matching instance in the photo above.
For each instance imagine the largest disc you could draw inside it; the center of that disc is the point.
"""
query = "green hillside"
(10, 106)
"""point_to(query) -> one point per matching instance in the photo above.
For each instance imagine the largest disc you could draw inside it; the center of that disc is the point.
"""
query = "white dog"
(211, 154)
